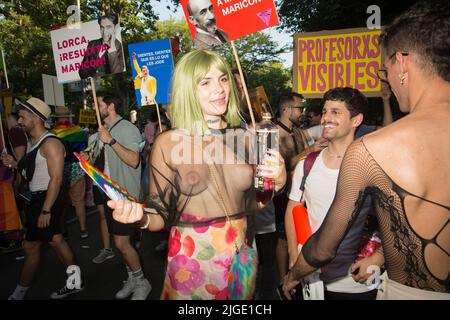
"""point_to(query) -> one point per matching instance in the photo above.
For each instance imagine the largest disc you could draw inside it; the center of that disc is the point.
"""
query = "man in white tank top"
(43, 168)
(342, 115)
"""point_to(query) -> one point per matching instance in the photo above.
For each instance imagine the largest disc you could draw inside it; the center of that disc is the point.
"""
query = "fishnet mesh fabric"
(414, 260)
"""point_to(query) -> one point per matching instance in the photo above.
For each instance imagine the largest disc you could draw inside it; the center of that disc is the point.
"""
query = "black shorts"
(33, 233)
(115, 227)
(99, 196)
(280, 203)
(281, 230)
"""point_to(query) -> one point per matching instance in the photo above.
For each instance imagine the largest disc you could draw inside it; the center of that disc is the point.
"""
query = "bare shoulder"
(167, 138)
(409, 149)
(164, 144)
(411, 133)
(390, 137)
(52, 147)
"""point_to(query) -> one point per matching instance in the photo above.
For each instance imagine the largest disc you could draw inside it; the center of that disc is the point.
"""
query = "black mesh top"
(202, 176)
(417, 257)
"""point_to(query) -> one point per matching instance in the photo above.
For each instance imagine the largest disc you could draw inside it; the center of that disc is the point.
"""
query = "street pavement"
(101, 281)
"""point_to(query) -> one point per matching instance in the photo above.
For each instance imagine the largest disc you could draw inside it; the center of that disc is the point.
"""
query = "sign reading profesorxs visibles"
(227, 19)
(337, 58)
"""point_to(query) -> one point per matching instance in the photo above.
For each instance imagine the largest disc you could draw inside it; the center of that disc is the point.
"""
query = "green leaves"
(316, 15)
(25, 36)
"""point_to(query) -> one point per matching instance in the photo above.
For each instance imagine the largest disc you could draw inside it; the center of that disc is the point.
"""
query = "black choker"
(219, 131)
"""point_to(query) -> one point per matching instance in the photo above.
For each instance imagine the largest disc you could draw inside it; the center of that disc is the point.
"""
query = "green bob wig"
(185, 110)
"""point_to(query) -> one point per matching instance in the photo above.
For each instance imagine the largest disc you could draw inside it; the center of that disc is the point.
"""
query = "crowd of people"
(194, 174)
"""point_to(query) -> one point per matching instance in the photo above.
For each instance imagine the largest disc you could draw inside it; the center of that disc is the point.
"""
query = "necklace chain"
(333, 155)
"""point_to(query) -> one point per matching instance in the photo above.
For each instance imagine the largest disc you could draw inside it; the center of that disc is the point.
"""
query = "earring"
(402, 78)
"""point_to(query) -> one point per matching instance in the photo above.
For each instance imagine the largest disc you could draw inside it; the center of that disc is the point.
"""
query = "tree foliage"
(275, 79)
(25, 37)
(316, 15)
(259, 57)
(174, 28)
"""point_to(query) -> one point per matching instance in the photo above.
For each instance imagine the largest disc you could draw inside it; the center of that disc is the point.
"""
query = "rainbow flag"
(74, 137)
(110, 187)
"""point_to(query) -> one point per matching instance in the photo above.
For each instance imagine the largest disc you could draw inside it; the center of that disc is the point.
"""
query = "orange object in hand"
(301, 222)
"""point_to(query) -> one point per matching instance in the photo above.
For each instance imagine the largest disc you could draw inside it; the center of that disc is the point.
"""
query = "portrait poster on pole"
(260, 102)
(93, 49)
(213, 22)
(151, 69)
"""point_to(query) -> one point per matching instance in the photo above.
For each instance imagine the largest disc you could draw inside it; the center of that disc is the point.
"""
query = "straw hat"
(62, 112)
(37, 107)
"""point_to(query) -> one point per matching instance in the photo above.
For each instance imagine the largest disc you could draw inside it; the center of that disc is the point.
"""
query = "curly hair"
(423, 29)
(354, 100)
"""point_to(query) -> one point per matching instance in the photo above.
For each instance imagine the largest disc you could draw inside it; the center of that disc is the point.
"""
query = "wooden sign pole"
(1, 133)
(159, 116)
(97, 112)
(247, 98)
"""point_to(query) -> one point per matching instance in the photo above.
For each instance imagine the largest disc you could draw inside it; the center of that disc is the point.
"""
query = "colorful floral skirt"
(199, 259)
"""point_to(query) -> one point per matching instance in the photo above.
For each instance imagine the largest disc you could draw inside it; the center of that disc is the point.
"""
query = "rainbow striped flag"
(74, 137)
(110, 187)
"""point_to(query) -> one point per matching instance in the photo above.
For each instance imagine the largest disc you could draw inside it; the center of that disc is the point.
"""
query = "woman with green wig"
(201, 180)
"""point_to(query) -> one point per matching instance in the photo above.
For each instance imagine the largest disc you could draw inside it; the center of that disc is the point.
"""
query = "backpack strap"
(117, 122)
(99, 162)
(307, 166)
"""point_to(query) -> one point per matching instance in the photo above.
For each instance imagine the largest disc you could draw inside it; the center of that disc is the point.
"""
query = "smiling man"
(341, 116)
(405, 167)
(201, 15)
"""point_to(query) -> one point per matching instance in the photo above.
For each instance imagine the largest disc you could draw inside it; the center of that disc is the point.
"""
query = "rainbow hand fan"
(110, 187)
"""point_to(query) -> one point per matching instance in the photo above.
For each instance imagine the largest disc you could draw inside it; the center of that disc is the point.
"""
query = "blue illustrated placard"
(152, 69)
